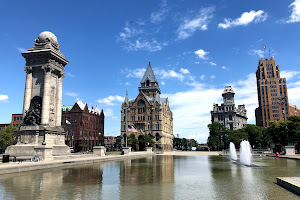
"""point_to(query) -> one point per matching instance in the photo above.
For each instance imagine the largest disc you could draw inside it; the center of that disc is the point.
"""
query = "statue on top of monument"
(33, 114)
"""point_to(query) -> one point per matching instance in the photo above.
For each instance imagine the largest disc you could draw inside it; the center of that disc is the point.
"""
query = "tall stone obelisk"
(42, 108)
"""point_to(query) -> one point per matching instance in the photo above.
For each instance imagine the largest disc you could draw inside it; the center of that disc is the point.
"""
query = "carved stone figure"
(33, 114)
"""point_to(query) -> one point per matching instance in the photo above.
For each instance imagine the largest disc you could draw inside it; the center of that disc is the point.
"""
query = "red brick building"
(84, 126)
(16, 120)
(109, 142)
(3, 126)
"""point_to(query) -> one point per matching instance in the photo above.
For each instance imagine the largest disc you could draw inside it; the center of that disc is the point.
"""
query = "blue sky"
(195, 49)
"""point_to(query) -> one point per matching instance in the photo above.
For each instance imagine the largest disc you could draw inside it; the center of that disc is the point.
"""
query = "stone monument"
(42, 108)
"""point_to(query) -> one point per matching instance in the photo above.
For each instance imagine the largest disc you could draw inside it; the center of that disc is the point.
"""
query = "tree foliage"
(7, 137)
(132, 141)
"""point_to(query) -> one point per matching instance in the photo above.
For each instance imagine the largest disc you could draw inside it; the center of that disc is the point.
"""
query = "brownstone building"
(272, 93)
(84, 126)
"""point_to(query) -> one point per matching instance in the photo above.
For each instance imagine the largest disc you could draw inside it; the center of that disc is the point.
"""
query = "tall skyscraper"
(271, 92)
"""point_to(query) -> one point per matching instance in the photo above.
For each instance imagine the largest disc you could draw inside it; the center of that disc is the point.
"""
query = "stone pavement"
(290, 183)
(296, 157)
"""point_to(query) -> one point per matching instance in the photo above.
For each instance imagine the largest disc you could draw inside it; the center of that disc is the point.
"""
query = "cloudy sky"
(196, 48)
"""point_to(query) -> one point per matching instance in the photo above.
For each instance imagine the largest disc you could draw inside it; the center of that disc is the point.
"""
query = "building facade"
(272, 93)
(109, 142)
(16, 120)
(227, 114)
(294, 110)
(148, 113)
(84, 126)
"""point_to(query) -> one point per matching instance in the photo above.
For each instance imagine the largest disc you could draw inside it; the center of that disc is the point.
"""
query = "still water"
(157, 177)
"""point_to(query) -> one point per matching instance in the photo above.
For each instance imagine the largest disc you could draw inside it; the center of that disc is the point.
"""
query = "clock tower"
(228, 95)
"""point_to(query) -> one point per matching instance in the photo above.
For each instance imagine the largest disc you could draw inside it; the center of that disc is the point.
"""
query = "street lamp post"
(99, 139)
(126, 110)
(44, 141)
(3, 141)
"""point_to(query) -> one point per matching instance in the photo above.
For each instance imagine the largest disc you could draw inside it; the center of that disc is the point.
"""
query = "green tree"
(132, 141)
(237, 136)
(216, 135)
(277, 132)
(148, 140)
(254, 135)
(7, 137)
(293, 124)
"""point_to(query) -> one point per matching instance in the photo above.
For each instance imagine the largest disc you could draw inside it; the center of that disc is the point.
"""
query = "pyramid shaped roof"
(149, 75)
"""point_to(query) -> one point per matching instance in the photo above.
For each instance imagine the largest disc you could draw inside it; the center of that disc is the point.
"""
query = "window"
(14, 118)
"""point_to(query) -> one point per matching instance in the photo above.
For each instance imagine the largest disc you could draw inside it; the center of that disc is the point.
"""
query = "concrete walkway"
(296, 157)
(14, 167)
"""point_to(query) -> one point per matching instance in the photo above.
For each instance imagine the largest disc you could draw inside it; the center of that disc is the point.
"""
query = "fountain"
(245, 153)
(233, 155)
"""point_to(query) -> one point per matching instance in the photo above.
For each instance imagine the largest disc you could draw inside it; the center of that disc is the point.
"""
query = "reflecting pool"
(157, 177)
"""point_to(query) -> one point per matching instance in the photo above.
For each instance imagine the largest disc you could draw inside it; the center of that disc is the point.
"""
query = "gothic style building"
(227, 114)
(148, 113)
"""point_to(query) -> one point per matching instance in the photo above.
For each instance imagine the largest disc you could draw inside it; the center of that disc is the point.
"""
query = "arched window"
(230, 117)
(147, 83)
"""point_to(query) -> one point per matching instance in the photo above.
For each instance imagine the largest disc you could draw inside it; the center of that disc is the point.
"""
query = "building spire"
(149, 75)
(126, 98)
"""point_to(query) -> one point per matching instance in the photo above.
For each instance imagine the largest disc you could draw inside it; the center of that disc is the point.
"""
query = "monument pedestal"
(126, 150)
(289, 150)
(44, 151)
(99, 151)
(149, 149)
(28, 137)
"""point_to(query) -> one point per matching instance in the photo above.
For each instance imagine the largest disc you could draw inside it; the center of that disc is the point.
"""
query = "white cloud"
(245, 19)
(212, 76)
(184, 71)
(202, 77)
(134, 40)
(134, 73)
(289, 74)
(3, 98)
(70, 74)
(295, 16)
(108, 112)
(21, 50)
(201, 54)
(163, 83)
(197, 62)
(258, 52)
(127, 83)
(145, 45)
(166, 74)
(71, 94)
(159, 16)
(191, 24)
(111, 99)
(212, 63)
(186, 107)
(223, 67)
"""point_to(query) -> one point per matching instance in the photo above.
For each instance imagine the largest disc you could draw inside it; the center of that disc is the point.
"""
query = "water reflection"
(150, 176)
(157, 177)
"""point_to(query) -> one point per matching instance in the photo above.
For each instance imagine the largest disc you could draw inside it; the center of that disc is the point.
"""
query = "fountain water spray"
(245, 153)
(233, 155)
